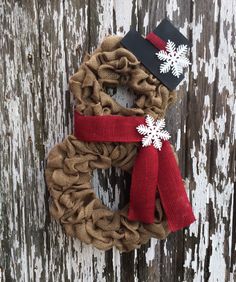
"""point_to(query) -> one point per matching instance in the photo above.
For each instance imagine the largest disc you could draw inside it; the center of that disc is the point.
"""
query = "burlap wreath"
(70, 163)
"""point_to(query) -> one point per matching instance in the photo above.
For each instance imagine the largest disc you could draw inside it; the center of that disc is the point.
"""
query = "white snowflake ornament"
(175, 59)
(153, 132)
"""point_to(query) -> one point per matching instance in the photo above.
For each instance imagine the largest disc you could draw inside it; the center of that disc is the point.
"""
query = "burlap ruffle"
(70, 163)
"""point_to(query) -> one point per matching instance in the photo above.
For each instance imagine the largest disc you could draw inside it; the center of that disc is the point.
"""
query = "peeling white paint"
(178, 139)
(197, 30)
(123, 14)
(218, 193)
(171, 8)
(105, 12)
(210, 61)
(151, 252)
(146, 22)
(217, 262)
(116, 264)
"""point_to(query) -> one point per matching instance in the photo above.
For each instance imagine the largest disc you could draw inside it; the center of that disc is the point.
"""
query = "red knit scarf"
(153, 169)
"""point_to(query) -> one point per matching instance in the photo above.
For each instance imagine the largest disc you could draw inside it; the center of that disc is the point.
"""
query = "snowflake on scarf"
(175, 59)
(153, 132)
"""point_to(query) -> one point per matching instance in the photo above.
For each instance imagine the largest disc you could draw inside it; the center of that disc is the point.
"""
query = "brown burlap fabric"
(70, 163)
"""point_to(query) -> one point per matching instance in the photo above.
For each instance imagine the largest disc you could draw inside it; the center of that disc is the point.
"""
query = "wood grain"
(42, 44)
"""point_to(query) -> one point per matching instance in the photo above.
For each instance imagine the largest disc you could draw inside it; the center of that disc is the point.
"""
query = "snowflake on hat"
(175, 58)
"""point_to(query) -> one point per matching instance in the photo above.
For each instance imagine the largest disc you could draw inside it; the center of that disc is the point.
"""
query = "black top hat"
(162, 52)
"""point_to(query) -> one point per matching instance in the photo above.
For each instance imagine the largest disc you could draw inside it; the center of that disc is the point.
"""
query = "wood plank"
(56, 127)
(22, 189)
(64, 40)
(211, 147)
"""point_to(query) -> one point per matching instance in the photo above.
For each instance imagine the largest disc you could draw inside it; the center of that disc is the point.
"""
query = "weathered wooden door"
(42, 43)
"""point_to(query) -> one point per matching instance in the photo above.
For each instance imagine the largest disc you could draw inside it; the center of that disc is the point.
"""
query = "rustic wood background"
(42, 44)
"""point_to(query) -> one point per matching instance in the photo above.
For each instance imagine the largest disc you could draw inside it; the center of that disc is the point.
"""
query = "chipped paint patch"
(146, 22)
(178, 140)
(151, 252)
(172, 8)
(123, 14)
